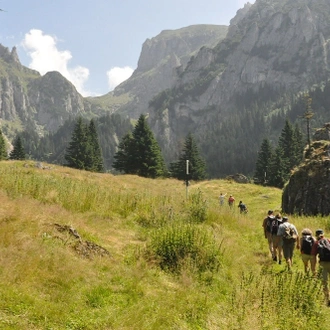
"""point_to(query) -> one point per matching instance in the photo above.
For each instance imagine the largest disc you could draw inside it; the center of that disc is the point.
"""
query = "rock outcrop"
(308, 190)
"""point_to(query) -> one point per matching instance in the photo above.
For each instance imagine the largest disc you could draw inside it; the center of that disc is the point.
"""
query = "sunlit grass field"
(81, 250)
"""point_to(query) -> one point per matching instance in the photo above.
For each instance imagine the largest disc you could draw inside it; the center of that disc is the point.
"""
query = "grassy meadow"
(83, 250)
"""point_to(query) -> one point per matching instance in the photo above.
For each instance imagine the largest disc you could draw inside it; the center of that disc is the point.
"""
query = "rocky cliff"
(272, 48)
(308, 190)
(161, 61)
(27, 98)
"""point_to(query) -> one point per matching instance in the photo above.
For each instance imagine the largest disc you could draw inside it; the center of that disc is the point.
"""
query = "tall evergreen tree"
(140, 154)
(277, 169)
(18, 151)
(262, 171)
(123, 162)
(94, 154)
(287, 144)
(308, 115)
(77, 152)
(197, 167)
(3, 149)
(299, 145)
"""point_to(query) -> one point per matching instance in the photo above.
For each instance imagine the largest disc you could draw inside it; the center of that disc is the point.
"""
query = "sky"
(96, 44)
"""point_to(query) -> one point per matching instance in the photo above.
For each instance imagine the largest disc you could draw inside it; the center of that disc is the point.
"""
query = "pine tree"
(77, 152)
(122, 157)
(3, 149)
(197, 167)
(299, 145)
(263, 162)
(18, 152)
(94, 154)
(140, 154)
(308, 115)
(277, 169)
(287, 144)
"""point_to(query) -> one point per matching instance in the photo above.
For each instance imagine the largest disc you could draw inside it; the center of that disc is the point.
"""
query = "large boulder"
(308, 190)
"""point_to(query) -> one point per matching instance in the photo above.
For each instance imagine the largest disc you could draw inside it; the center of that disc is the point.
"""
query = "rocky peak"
(9, 56)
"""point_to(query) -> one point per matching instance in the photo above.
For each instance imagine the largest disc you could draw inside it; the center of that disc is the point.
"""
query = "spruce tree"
(94, 153)
(3, 149)
(263, 162)
(123, 162)
(140, 153)
(146, 154)
(299, 145)
(18, 152)
(197, 167)
(287, 144)
(277, 169)
(77, 152)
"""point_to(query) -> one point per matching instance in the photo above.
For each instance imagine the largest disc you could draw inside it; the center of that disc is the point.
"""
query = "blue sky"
(96, 44)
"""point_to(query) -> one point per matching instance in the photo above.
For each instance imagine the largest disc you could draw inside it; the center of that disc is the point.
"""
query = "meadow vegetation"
(176, 259)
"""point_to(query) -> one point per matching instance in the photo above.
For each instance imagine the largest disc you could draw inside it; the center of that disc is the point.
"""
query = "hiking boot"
(279, 262)
(275, 258)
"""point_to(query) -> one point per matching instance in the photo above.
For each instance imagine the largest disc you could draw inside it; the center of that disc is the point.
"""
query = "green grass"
(175, 260)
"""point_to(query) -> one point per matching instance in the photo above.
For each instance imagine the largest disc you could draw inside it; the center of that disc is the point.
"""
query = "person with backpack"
(242, 207)
(231, 201)
(277, 244)
(306, 243)
(266, 224)
(290, 237)
(321, 247)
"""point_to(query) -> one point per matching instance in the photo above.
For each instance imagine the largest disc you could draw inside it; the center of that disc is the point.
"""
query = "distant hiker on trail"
(222, 198)
(277, 243)
(266, 224)
(306, 243)
(290, 237)
(242, 207)
(231, 201)
(321, 247)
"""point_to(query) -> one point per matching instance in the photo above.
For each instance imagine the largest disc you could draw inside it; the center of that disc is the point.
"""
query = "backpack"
(289, 234)
(307, 243)
(269, 222)
(323, 249)
(274, 226)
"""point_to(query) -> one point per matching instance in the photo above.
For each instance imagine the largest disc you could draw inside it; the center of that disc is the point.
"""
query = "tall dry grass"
(173, 262)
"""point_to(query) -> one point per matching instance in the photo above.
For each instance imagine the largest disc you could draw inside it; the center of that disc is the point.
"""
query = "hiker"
(266, 224)
(277, 243)
(321, 247)
(231, 200)
(222, 198)
(242, 207)
(306, 243)
(290, 237)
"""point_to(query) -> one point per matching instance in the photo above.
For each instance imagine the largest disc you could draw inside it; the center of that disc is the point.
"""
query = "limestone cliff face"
(308, 190)
(282, 46)
(161, 61)
(26, 97)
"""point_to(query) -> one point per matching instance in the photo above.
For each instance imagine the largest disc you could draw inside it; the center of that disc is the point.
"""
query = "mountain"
(229, 86)
(162, 59)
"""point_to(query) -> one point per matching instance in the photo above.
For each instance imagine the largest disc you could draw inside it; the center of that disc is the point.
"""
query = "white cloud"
(46, 57)
(117, 75)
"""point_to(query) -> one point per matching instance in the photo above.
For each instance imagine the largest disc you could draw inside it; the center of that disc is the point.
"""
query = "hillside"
(81, 250)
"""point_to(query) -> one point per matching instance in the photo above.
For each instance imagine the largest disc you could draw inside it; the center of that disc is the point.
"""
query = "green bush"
(181, 246)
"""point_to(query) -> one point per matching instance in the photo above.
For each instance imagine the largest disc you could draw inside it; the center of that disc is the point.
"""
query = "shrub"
(180, 246)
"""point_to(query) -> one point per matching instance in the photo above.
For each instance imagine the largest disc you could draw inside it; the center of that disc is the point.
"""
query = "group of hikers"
(231, 202)
(283, 237)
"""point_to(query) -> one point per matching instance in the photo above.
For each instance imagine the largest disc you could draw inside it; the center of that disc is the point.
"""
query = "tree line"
(138, 153)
